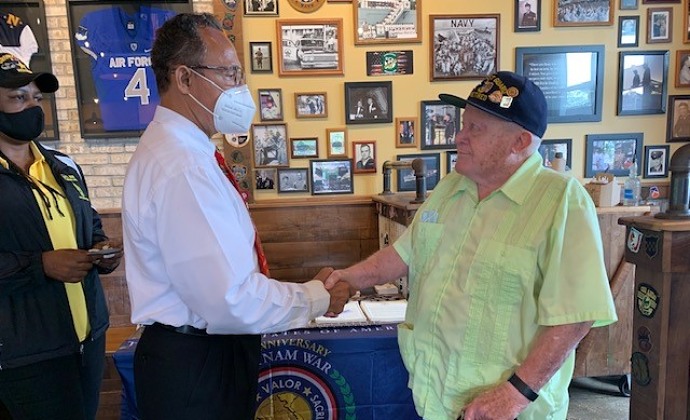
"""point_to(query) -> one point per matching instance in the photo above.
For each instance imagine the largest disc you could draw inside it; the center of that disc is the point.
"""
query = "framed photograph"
(583, 13)
(628, 5)
(656, 161)
(336, 142)
(387, 21)
(304, 147)
(261, 7)
(451, 160)
(270, 104)
(683, 68)
(364, 154)
(310, 47)
(116, 89)
(659, 1)
(686, 21)
(406, 178)
(628, 31)
(527, 16)
(293, 180)
(390, 63)
(261, 57)
(548, 149)
(270, 145)
(612, 153)
(406, 131)
(265, 179)
(678, 118)
(368, 102)
(464, 46)
(440, 123)
(571, 77)
(331, 176)
(659, 25)
(311, 105)
(642, 82)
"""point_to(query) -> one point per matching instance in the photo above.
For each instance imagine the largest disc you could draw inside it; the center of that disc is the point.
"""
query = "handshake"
(338, 288)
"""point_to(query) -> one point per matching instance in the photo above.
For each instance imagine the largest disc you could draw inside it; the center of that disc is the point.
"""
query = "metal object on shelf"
(679, 201)
(418, 166)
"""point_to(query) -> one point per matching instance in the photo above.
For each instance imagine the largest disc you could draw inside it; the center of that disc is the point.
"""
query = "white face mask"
(234, 110)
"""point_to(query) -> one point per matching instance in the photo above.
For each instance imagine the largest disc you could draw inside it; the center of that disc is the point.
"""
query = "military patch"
(230, 4)
(644, 339)
(640, 369)
(306, 6)
(647, 300)
(634, 240)
(651, 246)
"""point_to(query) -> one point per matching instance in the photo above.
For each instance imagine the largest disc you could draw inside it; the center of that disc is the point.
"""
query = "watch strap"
(522, 387)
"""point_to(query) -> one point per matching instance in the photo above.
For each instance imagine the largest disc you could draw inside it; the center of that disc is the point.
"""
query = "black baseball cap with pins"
(15, 74)
(510, 97)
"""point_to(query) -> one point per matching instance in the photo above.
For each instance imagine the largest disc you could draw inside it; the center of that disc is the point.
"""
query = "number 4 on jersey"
(138, 87)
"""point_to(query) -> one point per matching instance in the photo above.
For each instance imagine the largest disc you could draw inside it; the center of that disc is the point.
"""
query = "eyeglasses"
(230, 74)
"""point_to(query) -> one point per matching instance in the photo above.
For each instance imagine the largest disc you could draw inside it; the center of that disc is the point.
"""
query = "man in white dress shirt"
(194, 269)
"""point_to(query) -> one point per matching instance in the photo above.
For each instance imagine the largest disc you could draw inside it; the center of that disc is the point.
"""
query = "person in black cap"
(52, 307)
(505, 268)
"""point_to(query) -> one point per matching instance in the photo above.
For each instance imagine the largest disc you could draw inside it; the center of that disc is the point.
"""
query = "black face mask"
(23, 125)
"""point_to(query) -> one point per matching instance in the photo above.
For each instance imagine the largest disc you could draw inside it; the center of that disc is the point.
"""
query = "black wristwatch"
(522, 387)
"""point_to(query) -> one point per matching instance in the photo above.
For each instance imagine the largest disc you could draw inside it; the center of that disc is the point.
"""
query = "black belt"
(184, 329)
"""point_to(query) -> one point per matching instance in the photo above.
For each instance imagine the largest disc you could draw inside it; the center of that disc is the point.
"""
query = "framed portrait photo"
(549, 148)
(261, 57)
(270, 145)
(464, 46)
(612, 153)
(331, 176)
(406, 179)
(451, 160)
(265, 179)
(583, 13)
(261, 7)
(364, 154)
(368, 102)
(310, 47)
(628, 31)
(406, 131)
(628, 5)
(304, 147)
(293, 180)
(642, 82)
(440, 122)
(678, 118)
(656, 161)
(336, 142)
(659, 24)
(683, 68)
(387, 22)
(311, 105)
(527, 16)
(270, 104)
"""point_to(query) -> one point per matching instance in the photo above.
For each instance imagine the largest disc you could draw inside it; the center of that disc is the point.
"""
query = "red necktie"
(263, 263)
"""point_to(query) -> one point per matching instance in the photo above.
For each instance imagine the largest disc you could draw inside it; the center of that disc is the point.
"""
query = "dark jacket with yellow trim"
(35, 318)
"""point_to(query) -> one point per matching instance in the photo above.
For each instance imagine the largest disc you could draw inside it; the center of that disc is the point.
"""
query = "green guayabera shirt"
(484, 276)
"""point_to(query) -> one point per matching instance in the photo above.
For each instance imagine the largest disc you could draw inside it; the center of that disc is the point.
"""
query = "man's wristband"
(522, 387)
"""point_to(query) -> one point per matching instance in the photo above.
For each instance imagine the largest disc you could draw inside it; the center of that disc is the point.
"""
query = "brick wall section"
(104, 161)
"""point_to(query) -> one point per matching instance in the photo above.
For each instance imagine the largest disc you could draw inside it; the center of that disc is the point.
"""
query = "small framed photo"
(270, 145)
(406, 131)
(686, 22)
(271, 104)
(261, 57)
(304, 147)
(548, 149)
(656, 161)
(387, 21)
(310, 47)
(612, 153)
(464, 46)
(678, 118)
(628, 5)
(261, 7)
(364, 154)
(527, 16)
(451, 160)
(659, 24)
(311, 105)
(390, 63)
(683, 68)
(406, 178)
(336, 142)
(331, 176)
(368, 102)
(642, 83)
(265, 179)
(583, 13)
(293, 180)
(628, 31)
(440, 123)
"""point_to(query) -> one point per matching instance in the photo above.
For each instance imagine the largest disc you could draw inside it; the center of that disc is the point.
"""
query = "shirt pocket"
(426, 238)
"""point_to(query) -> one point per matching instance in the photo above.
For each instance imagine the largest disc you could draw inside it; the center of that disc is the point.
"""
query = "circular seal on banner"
(647, 300)
(237, 140)
(640, 368)
(237, 156)
(230, 4)
(306, 6)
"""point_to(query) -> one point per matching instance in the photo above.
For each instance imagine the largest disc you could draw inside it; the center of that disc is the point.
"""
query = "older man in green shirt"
(506, 271)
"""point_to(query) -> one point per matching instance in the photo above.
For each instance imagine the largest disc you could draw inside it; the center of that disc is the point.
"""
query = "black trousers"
(182, 376)
(64, 388)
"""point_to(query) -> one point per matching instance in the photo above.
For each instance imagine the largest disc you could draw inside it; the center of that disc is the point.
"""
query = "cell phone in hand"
(104, 252)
